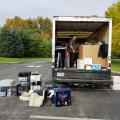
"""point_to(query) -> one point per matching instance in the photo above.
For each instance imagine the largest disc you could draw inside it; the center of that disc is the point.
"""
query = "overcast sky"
(49, 8)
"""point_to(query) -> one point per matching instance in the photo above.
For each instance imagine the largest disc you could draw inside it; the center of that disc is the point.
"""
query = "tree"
(116, 41)
(114, 12)
(40, 25)
(35, 35)
(45, 27)
(10, 43)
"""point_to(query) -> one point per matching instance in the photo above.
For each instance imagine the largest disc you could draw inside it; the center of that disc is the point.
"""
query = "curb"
(8, 62)
(115, 73)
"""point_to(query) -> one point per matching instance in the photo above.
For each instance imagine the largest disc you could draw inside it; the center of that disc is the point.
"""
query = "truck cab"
(93, 54)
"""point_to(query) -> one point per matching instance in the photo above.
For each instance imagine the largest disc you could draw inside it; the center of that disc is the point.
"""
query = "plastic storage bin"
(96, 67)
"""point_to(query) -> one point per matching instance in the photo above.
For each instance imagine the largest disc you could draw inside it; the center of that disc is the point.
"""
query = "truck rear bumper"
(82, 76)
(79, 81)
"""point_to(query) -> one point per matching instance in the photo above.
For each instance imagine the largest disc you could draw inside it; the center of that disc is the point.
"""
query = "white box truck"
(94, 38)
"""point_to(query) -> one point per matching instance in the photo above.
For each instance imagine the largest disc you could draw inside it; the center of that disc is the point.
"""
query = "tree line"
(114, 12)
(32, 37)
(26, 38)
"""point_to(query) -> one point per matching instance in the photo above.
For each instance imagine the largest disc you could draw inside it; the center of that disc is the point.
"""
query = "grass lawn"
(116, 65)
(18, 60)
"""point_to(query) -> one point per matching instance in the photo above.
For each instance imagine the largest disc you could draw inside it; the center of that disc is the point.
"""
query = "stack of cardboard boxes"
(91, 51)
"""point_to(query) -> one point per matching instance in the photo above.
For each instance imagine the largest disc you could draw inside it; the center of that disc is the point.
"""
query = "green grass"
(18, 60)
(116, 65)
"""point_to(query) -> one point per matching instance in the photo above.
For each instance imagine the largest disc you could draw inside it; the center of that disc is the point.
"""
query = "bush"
(10, 43)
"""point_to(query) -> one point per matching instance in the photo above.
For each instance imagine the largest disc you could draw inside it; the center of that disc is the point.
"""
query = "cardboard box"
(88, 61)
(91, 51)
(80, 64)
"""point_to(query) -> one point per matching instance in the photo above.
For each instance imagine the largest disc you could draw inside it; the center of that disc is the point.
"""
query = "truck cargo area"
(93, 52)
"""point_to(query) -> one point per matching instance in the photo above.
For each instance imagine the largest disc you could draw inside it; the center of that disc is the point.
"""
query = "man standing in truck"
(72, 50)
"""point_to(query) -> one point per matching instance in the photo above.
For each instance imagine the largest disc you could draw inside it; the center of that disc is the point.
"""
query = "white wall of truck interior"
(88, 19)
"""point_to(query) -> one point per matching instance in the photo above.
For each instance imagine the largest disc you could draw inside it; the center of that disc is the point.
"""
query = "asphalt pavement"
(87, 104)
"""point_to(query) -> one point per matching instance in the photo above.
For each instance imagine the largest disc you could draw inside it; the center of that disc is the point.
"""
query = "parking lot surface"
(87, 104)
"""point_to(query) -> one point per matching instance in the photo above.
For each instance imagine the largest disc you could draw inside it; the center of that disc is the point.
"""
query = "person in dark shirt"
(103, 50)
(72, 50)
